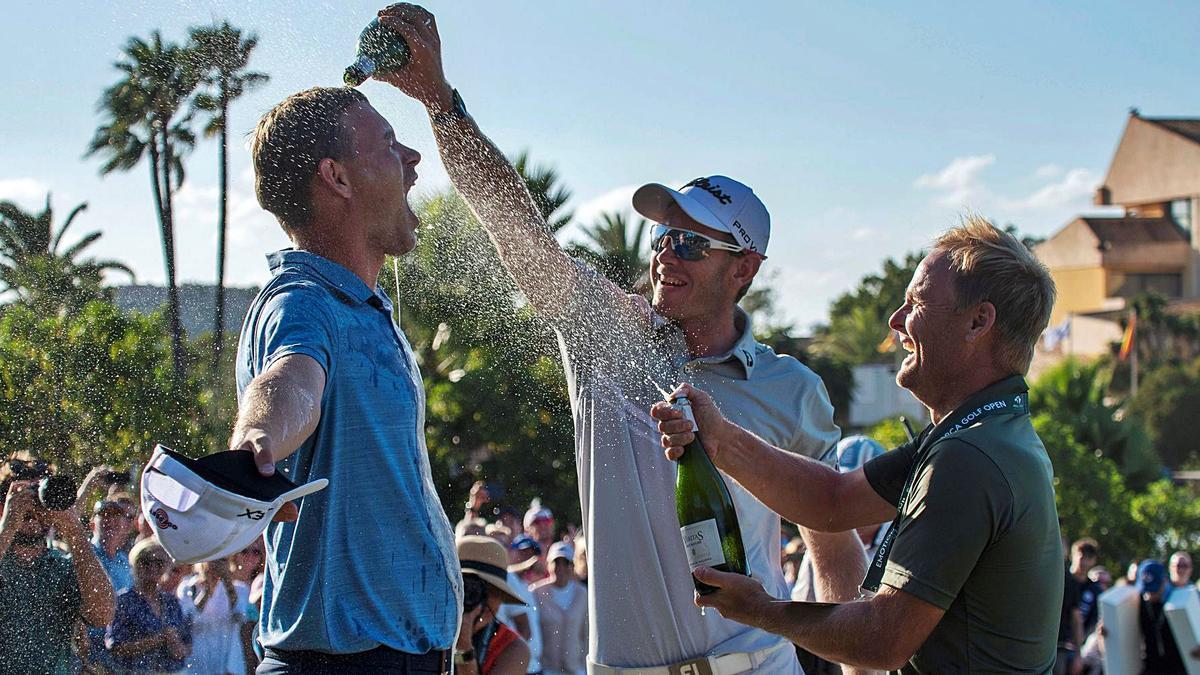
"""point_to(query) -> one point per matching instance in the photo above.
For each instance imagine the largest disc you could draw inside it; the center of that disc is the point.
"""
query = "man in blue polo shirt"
(366, 577)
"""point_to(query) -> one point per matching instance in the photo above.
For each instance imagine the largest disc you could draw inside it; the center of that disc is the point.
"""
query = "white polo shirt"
(640, 592)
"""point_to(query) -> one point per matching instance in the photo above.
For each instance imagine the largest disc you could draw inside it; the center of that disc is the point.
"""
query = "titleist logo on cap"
(714, 190)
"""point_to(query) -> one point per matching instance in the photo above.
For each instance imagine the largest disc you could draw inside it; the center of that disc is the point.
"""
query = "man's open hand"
(259, 444)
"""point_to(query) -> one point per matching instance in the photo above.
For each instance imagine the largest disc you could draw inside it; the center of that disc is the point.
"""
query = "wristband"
(457, 111)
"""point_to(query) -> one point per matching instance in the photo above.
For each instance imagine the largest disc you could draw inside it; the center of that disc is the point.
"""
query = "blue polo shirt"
(371, 559)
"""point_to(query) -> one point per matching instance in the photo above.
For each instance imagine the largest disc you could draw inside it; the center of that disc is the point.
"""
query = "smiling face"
(932, 330)
(381, 172)
(686, 289)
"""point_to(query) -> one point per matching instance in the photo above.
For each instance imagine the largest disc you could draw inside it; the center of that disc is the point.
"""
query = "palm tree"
(222, 54)
(33, 266)
(616, 247)
(547, 190)
(142, 108)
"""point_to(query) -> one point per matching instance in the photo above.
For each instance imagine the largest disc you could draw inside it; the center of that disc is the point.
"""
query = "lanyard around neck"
(964, 418)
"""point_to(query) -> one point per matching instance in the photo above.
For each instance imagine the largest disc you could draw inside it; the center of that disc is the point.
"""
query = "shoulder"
(957, 465)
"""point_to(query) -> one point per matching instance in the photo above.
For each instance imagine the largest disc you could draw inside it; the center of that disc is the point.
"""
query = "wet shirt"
(979, 538)
(371, 560)
(135, 620)
(39, 605)
(642, 614)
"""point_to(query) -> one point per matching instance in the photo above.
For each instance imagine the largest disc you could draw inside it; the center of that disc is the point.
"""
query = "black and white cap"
(212, 507)
(719, 202)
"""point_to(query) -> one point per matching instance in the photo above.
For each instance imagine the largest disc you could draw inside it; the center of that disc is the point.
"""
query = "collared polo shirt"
(642, 614)
(115, 566)
(979, 539)
(371, 559)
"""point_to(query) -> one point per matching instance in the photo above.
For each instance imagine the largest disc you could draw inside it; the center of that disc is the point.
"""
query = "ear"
(983, 319)
(332, 175)
(745, 268)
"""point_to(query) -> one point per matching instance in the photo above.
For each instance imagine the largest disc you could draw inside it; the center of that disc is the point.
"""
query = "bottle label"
(702, 541)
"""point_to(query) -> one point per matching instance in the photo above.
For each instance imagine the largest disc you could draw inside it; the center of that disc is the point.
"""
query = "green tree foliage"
(1075, 394)
(94, 387)
(1091, 494)
(617, 248)
(144, 115)
(1167, 402)
(221, 55)
(1172, 514)
(889, 432)
(858, 319)
(497, 408)
(43, 274)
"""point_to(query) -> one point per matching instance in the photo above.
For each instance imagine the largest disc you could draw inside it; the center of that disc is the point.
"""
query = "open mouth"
(674, 282)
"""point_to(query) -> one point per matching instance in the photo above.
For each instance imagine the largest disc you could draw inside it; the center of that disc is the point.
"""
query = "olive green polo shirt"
(978, 538)
(39, 605)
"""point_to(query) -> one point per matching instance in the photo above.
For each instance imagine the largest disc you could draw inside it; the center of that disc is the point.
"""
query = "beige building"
(1101, 263)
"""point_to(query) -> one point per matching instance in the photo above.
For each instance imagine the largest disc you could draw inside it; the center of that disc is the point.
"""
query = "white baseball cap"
(718, 202)
(560, 549)
(212, 507)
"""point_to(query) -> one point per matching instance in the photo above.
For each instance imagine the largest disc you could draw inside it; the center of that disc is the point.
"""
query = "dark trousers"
(371, 662)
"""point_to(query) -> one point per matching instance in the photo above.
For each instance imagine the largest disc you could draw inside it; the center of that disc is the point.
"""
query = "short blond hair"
(991, 265)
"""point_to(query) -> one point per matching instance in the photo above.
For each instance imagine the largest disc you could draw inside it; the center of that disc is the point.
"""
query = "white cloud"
(1048, 171)
(251, 233)
(1074, 188)
(28, 193)
(959, 182)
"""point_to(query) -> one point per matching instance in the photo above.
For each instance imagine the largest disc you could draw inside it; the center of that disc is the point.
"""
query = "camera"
(474, 592)
(55, 492)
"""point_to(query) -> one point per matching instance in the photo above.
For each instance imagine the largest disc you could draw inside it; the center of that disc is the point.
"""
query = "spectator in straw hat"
(485, 645)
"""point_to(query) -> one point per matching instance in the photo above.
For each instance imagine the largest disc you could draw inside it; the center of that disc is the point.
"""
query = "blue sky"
(865, 128)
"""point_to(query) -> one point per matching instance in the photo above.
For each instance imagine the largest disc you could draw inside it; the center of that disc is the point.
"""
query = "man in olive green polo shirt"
(970, 576)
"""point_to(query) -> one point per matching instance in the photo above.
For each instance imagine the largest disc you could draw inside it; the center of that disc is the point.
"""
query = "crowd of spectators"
(111, 600)
(546, 570)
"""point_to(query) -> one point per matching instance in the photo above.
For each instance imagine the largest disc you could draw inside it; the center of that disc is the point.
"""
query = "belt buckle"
(700, 666)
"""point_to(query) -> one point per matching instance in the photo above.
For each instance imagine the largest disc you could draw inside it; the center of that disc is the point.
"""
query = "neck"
(974, 378)
(351, 254)
(561, 581)
(147, 588)
(710, 335)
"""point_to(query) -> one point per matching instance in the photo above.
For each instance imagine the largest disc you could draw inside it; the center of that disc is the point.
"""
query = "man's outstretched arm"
(487, 181)
(880, 634)
(800, 489)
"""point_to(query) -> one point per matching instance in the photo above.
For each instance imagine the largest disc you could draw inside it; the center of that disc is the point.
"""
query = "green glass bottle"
(380, 50)
(707, 519)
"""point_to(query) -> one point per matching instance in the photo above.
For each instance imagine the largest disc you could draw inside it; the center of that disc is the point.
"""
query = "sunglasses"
(152, 562)
(687, 245)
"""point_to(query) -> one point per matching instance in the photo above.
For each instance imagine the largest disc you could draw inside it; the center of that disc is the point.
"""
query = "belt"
(436, 661)
(722, 664)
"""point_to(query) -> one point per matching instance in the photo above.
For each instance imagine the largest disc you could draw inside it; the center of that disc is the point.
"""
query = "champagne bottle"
(380, 49)
(707, 519)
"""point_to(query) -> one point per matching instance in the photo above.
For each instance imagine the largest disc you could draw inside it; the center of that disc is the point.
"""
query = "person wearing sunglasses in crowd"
(149, 633)
(709, 241)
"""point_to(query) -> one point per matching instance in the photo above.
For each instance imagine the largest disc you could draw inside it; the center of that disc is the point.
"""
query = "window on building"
(1133, 285)
(1181, 211)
